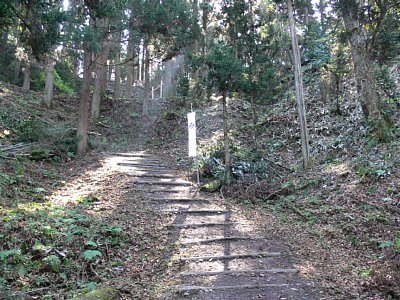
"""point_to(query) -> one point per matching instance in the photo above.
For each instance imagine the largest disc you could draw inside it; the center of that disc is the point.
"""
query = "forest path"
(219, 253)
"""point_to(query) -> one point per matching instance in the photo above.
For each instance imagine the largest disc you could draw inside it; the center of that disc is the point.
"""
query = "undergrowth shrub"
(57, 243)
(30, 129)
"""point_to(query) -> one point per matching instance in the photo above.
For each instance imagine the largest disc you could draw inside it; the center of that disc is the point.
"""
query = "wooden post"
(305, 147)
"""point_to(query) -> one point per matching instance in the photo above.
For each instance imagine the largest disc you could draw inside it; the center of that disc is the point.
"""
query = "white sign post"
(192, 140)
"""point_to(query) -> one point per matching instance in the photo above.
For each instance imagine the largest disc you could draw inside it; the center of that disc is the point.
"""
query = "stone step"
(181, 200)
(238, 272)
(241, 291)
(142, 166)
(160, 191)
(143, 161)
(138, 171)
(234, 262)
(164, 183)
(213, 243)
(191, 288)
(223, 240)
(231, 257)
(138, 154)
(152, 175)
(183, 225)
(202, 212)
(240, 277)
(204, 219)
(186, 205)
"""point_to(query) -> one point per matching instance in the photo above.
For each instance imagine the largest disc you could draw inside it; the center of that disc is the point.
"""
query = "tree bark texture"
(129, 69)
(167, 78)
(367, 91)
(49, 84)
(325, 85)
(3, 44)
(228, 161)
(322, 14)
(145, 110)
(195, 39)
(142, 68)
(204, 26)
(101, 76)
(305, 147)
(83, 120)
(17, 69)
(117, 77)
(27, 77)
(76, 10)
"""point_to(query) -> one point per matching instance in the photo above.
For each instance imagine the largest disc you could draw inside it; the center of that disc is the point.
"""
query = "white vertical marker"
(192, 134)
(192, 140)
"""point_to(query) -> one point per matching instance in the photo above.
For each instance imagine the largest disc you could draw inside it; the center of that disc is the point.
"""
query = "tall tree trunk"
(369, 98)
(325, 84)
(3, 44)
(129, 68)
(95, 105)
(117, 77)
(305, 147)
(167, 78)
(75, 65)
(137, 64)
(104, 68)
(322, 7)
(49, 85)
(228, 161)
(204, 26)
(142, 68)
(27, 77)
(110, 70)
(101, 75)
(145, 110)
(17, 61)
(17, 70)
(83, 121)
(76, 10)
(195, 39)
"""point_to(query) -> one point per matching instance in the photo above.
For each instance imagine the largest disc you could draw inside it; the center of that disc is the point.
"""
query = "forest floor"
(71, 225)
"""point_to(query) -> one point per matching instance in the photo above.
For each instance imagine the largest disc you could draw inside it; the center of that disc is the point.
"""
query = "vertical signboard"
(192, 133)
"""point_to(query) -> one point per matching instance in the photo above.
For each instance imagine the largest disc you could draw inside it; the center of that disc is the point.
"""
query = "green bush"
(39, 79)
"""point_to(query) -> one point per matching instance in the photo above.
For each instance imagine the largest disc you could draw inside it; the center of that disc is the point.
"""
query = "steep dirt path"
(219, 253)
